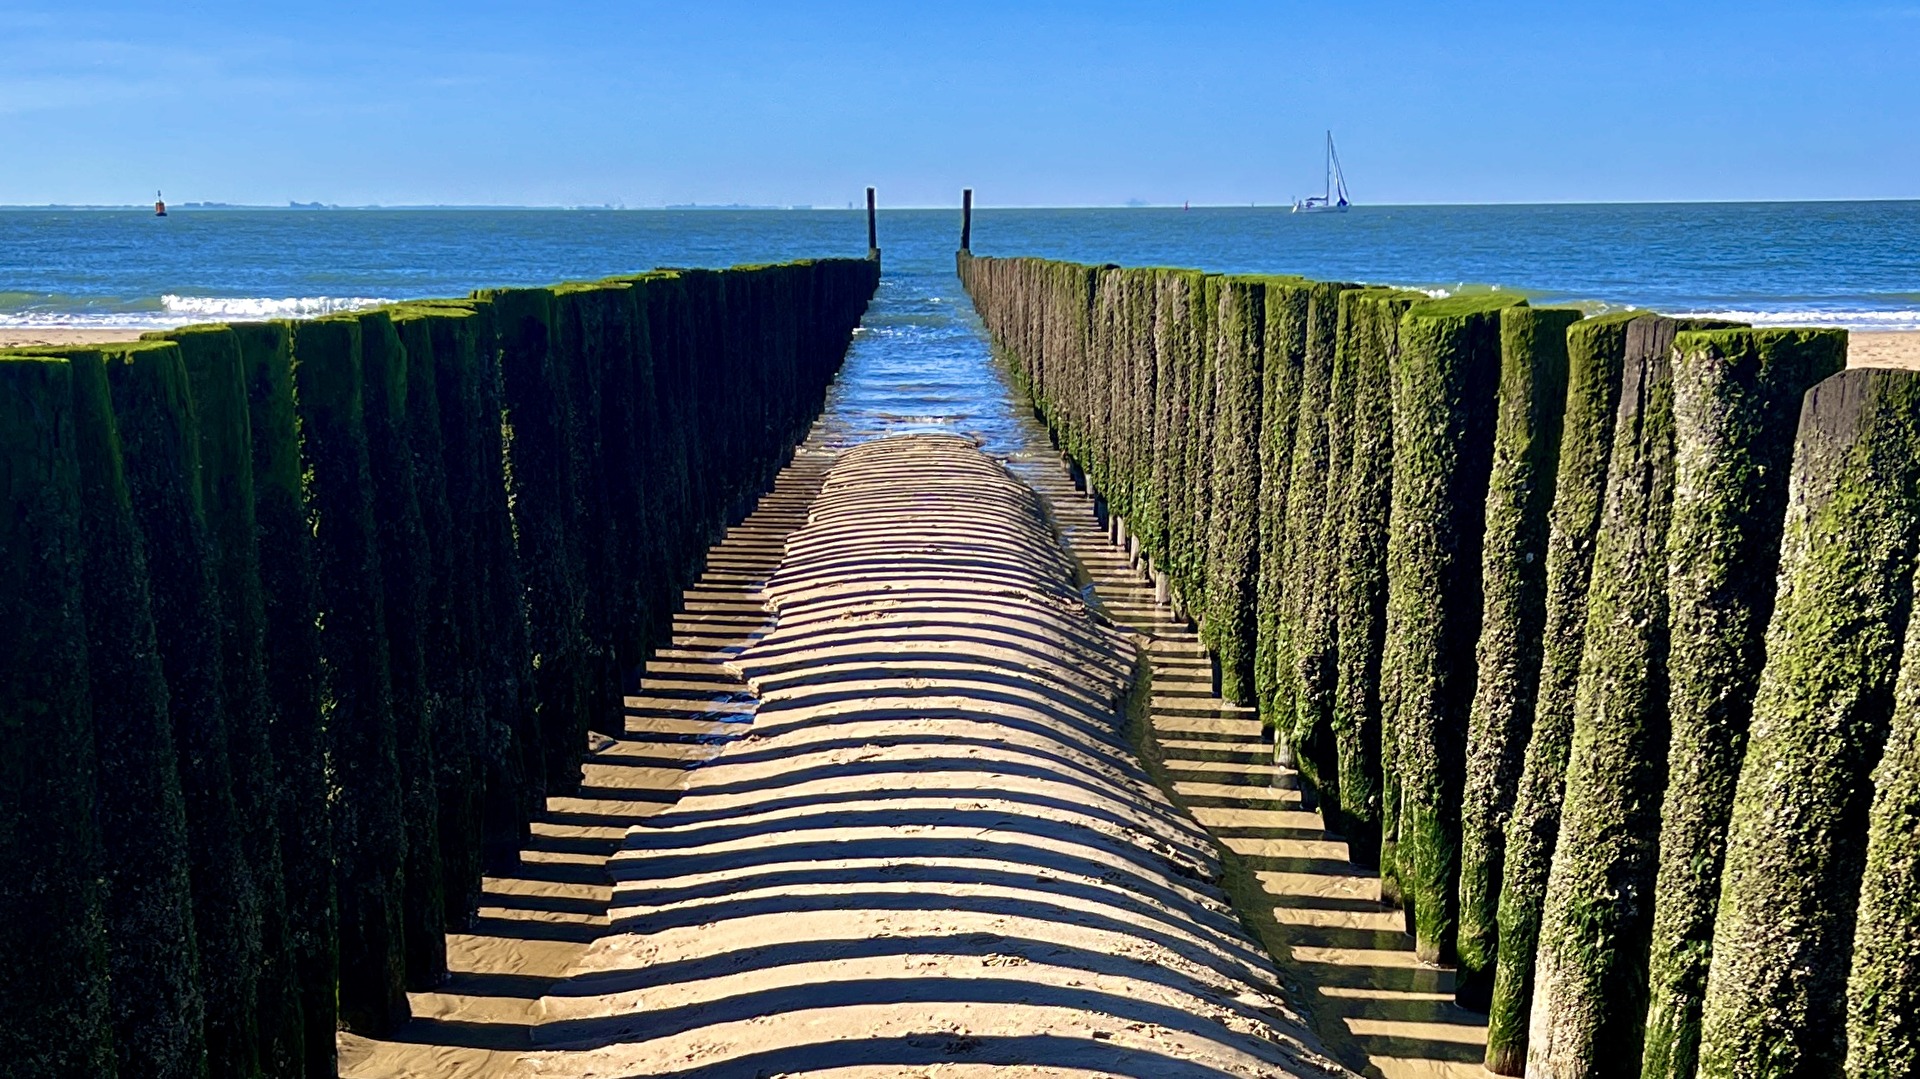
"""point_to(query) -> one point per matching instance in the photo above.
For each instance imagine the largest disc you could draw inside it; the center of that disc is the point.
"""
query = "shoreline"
(1865, 348)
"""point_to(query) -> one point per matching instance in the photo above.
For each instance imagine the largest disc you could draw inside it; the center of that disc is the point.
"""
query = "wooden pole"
(873, 232)
(966, 219)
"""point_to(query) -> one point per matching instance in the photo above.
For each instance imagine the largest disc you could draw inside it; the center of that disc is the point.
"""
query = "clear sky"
(1033, 103)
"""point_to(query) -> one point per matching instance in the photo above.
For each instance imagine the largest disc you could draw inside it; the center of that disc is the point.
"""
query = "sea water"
(920, 361)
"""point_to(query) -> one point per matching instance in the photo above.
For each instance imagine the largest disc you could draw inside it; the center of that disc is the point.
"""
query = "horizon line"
(317, 207)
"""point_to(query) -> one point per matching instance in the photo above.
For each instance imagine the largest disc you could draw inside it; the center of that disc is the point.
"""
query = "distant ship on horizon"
(1334, 201)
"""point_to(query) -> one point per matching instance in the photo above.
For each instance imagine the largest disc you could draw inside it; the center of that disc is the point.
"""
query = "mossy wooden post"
(574, 356)
(369, 833)
(451, 655)
(535, 383)
(406, 571)
(1316, 737)
(1444, 391)
(218, 385)
(1239, 316)
(293, 682)
(159, 444)
(1798, 837)
(1172, 324)
(1526, 455)
(1370, 332)
(1596, 353)
(1609, 825)
(1308, 744)
(516, 774)
(653, 478)
(667, 319)
(153, 962)
(1883, 987)
(53, 948)
(623, 435)
(1737, 397)
(1200, 479)
(1135, 313)
(1589, 1002)
(1283, 356)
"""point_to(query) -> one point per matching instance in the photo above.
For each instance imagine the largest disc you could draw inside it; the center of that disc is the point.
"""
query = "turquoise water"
(920, 361)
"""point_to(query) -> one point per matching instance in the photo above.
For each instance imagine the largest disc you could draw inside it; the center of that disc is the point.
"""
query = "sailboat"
(1335, 200)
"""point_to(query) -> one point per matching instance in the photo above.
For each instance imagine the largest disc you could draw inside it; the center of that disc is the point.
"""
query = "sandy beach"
(28, 337)
(1884, 350)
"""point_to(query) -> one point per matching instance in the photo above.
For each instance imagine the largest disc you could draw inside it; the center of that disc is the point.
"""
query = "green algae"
(292, 651)
(1520, 494)
(1596, 352)
(1737, 398)
(369, 830)
(1444, 397)
(53, 953)
(1797, 840)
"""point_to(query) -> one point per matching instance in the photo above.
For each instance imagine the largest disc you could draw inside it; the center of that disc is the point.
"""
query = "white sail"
(1334, 200)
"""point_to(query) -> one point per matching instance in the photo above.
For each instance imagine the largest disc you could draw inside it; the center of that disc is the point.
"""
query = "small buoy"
(159, 205)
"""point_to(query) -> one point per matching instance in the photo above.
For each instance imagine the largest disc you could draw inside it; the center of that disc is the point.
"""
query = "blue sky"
(1032, 103)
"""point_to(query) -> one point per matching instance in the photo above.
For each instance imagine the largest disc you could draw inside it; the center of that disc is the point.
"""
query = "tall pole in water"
(873, 231)
(966, 219)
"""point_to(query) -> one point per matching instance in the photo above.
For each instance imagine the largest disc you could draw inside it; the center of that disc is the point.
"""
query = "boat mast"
(1328, 197)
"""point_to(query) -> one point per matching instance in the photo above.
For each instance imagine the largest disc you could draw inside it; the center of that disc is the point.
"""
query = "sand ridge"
(932, 854)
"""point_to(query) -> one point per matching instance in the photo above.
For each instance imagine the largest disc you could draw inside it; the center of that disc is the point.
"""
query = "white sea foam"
(1866, 320)
(186, 310)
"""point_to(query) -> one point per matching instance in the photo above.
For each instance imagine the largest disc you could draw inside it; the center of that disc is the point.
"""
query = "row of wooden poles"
(301, 622)
(1588, 632)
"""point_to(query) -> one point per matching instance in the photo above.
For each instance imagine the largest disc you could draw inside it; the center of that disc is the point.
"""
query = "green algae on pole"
(159, 444)
(1199, 490)
(1590, 967)
(1239, 314)
(1444, 389)
(1283, 354)
(157, 1013)
(218, 385)
(406, 579)
(1526, 456)
(1883, 988)
(53, 954)
(1798, 837)
(491, 627)
(459, 720)
(1310, 611)
(1737, 397)
(369, 832)
(1590, 999)
(1175, 331)
(1370, 323)
(1596, 351)
(293, 682)
(543, 498)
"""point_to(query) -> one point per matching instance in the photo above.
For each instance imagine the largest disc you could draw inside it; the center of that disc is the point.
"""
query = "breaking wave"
(172, 311)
